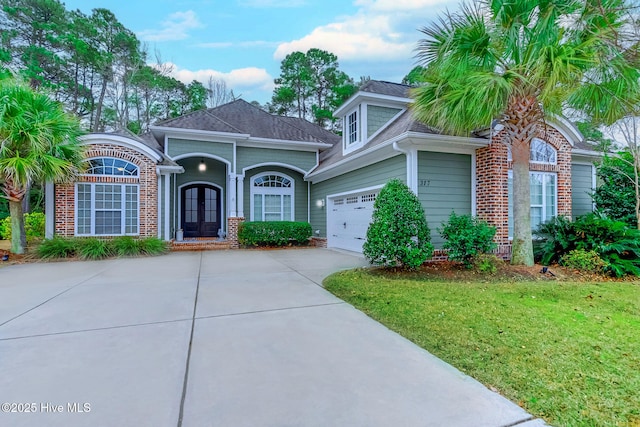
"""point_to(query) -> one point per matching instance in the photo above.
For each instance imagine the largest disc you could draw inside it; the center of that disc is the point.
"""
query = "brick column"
(232, 230)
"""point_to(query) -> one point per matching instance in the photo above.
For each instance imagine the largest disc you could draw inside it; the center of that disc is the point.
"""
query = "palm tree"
(517, 61)
(38, 142)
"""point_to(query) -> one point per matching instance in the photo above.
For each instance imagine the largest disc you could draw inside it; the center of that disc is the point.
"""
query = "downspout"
(412, 166)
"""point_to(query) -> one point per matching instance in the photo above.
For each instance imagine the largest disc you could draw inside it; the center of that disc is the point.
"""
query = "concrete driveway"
(228, 338)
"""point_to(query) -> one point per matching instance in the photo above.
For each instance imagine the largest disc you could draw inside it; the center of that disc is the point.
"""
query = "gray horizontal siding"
(378, 116)
(444, 186)
(581, 187)
(178, 147)
(301, 194)
(376, 174)
(249, 156)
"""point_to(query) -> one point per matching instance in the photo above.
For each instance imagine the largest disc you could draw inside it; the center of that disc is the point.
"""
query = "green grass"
(566, 352)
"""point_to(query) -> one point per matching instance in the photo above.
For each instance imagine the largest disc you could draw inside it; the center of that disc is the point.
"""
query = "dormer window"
(352, 128)
(353, 125)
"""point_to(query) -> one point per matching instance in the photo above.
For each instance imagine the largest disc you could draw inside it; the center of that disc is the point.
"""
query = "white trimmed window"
(351, 128)
(543, 187)
(107, 209)
(272, 197)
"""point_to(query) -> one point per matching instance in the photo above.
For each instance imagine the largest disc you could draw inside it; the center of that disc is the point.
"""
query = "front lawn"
(568, 352)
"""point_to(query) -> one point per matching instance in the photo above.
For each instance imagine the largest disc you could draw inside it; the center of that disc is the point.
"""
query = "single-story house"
(205, 172)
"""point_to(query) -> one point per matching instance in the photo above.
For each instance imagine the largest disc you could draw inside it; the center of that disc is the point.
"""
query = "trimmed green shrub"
(586, 261)
(58, 247)
(274, 233)
(399, 235)
(617, 244)
(92, 248)
(466, 238)
(34, 223)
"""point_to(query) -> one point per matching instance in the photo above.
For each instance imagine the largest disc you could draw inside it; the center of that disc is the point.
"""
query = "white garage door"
(348, 217)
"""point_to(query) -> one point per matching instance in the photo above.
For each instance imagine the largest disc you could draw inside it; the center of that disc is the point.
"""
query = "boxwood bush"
(398, 235)
(274, 233)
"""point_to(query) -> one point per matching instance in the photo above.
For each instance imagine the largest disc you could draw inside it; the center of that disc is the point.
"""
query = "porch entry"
(200, 210)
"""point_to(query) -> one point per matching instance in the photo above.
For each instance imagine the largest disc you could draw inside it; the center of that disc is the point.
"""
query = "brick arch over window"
(492, 179)
(146, 183)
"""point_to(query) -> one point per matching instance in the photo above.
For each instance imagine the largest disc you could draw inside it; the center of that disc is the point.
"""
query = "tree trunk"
(522, 119)
(522, 248)
(18, 235)
(96, 123)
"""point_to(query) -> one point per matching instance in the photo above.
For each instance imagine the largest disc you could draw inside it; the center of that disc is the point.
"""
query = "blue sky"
(244, 41)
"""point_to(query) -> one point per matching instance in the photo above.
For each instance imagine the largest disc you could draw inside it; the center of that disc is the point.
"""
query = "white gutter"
(412, 165)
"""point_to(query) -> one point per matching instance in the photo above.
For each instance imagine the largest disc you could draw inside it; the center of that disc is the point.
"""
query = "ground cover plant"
(95, 248)
(566, 351)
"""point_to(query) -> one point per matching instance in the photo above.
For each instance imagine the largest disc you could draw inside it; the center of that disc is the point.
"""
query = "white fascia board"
(361, 159)
(166, 170)
(282, 144)
(121, 140)
(566, 128)
(360, 97)
(200, 135)
(420, 141)
(442, 143)
(587, 156)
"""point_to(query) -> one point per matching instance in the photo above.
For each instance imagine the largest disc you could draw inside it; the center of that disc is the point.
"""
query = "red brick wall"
(492, 190)
(232, 230)
(147, 180)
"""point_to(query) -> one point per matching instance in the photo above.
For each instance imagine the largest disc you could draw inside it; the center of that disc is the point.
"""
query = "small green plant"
(58, 247)
(398, 235)
(34, 223)
(274, 233)
(487, 263)
(126, 246)
(466, 238)
(617, 244)
(92, 248)
(152, 246)
(583, 260)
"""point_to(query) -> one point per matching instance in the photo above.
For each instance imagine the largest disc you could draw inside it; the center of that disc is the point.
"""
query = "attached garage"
(348, 218)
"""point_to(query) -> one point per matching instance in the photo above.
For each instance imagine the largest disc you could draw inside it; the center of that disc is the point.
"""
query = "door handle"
(344, 225)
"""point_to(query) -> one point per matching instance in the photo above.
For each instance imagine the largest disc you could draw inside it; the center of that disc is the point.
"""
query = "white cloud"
(175, 27)
(354, 38)
(250, 78)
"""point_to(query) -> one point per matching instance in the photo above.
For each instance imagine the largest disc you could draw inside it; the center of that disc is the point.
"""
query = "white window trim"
(348, 147)
(137, 175)
(543, 206)
(287, 191)
(123, 209)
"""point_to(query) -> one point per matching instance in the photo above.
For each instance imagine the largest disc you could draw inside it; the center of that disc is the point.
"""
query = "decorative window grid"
(111, 167)
(369, 197)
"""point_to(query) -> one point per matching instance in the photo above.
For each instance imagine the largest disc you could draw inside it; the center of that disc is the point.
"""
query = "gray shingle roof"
(386, 88)
(242, 117)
